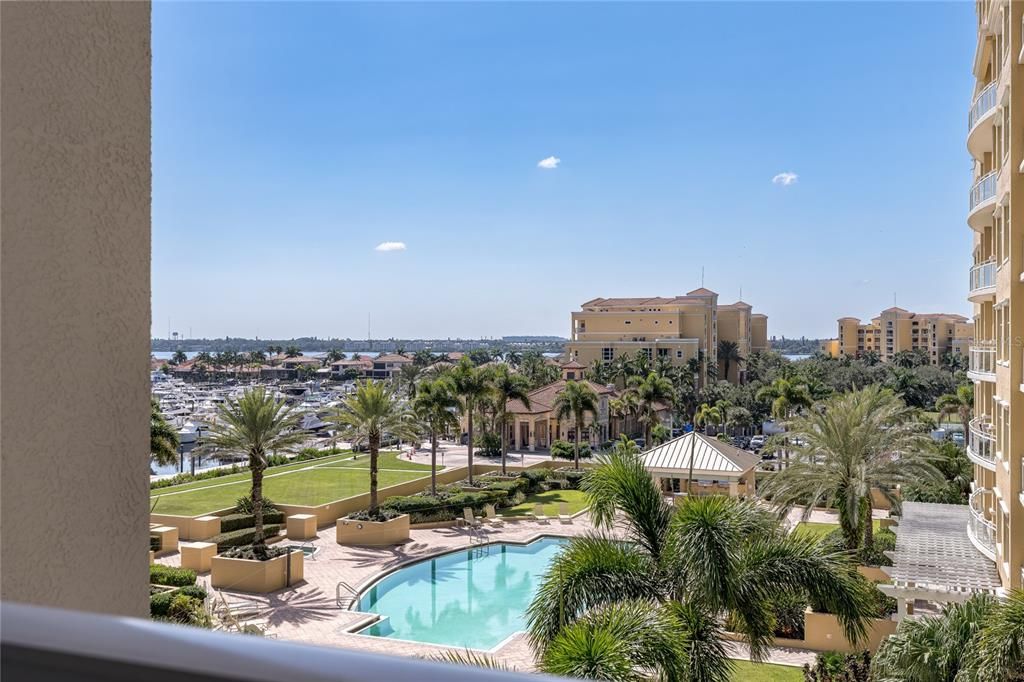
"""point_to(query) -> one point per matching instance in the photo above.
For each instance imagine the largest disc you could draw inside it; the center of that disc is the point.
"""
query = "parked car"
(957, 437)
(757, 442)
(640, 443)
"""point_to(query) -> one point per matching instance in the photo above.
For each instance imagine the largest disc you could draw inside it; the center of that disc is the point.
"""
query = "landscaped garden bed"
(389, 531)
(241, 574)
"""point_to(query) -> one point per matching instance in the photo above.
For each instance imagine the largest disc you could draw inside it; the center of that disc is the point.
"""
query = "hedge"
(444, 507)
(232, 522)
(160, 603)
(242, 536)
(169, 575)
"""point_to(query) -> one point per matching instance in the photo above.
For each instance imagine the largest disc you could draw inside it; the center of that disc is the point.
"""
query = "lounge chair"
(492, 517)
(563, 513)
(538, 514)
(471, 521)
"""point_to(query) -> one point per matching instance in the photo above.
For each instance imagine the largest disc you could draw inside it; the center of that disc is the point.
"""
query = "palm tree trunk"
(433, 462)
(374, 448)
(469, 444)
(867, 523)
(504, 440)
(577, 444)
(259, 544)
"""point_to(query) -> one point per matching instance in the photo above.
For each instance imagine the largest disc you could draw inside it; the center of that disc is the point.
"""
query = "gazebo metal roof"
(710, 456)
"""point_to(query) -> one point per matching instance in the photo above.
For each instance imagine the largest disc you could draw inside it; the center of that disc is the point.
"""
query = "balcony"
(982, 361)
(980, 530)
(979, 121)
(981, 443)
(982, 281)
(982, 201)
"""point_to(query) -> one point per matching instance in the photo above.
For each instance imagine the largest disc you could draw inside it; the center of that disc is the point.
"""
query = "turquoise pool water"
(474, 598)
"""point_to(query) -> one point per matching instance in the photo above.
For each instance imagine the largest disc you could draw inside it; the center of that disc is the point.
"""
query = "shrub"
(489, 444)
(536, 478)
(242, 536)
(884, 540)
(169, 575)
(188, 611)
(445, 506)
(510, 486)
(570, 478)
(561, 449)
(383, 514)
(832, 666)
(246, 552)
(244, 505)
(232, 522)
(160, 602)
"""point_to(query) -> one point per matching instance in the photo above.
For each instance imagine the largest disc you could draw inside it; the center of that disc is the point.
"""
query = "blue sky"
(290, 140)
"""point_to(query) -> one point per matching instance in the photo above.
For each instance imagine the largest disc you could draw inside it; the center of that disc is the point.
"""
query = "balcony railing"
(983, 276)
(984, 189)
(981, 444)
(982, 360)
(983, 103)
(980, 530)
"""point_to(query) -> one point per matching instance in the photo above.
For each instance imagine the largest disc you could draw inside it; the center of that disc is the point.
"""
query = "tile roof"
(543, 399)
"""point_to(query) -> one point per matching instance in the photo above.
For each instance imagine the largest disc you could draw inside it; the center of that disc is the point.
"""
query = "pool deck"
(307, 612)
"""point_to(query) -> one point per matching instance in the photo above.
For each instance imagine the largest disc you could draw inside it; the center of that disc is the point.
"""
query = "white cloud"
(549, 163)
(785, 179)
(390, 246)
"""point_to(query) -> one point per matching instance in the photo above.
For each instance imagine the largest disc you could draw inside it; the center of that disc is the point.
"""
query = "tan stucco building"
(896, 330)
(677, 328)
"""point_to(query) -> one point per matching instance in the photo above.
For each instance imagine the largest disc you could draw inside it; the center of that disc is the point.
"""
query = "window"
(663, 352)
(679, 353)
(607, 354)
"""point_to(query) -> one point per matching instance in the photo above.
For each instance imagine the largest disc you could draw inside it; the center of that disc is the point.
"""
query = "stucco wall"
(74, 300)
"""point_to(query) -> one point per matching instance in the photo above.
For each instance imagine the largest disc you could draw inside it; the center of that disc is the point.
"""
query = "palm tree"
(1000, 648)
(407, 377)
(436, 406)
(507, 386)
(858, 442)
(961, 402)
(729, 353)
(650, 391)
(708, 415)
(786, 398)
(470, 386)
(292, 352)
(163, 439)
(255, 425)
(651, 606)
(368, 415)
(576, 400)
(332, 355)
(178, 357)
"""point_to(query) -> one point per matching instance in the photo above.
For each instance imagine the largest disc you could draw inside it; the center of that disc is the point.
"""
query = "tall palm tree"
(729, 353)
(471, 387)
(255, 425)
(368, 415)
(507, 385)
(292, 352)
(649, 391)
(436, 406)
(407, 377)
(960, 403)
(651, 606)
(576, 400)
(178, 357)
(858, 442)
(163, 439)
(708, 415)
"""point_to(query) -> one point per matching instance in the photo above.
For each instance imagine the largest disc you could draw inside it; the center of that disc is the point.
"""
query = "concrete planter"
(248, 575)
(373, 533)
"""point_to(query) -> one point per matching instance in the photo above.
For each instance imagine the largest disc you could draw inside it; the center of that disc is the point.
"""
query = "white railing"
(983, 103)
(984, 189)
(982, 358)
(983, 276)
(980, 530)
(981, 444)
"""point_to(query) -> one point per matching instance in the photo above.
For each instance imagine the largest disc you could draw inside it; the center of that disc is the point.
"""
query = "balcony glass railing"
(983, 103)
(981, 443)
(982, 358)
(983, 276)
(984, 189)
(980, 530)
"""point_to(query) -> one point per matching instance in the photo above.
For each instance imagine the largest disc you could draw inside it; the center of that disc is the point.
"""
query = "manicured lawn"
(386, 460)
(817, 528)
(745, 671)
(549, 501)
(244, 476)
(310, 487)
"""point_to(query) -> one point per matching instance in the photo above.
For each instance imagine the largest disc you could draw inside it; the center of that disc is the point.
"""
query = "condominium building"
(677, 329)
(996, 443)
(896, 330)
(949, 552)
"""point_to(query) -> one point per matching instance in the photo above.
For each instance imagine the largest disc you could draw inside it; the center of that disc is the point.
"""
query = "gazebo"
(718, 468)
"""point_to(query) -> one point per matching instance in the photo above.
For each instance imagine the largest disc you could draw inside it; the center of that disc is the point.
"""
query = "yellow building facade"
(996, 439)
(675, 329)
(896, 330)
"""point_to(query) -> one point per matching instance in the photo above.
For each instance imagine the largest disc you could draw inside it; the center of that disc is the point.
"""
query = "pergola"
(934, 560)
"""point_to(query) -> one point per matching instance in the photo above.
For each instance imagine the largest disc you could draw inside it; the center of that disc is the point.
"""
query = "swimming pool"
(474, 598)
